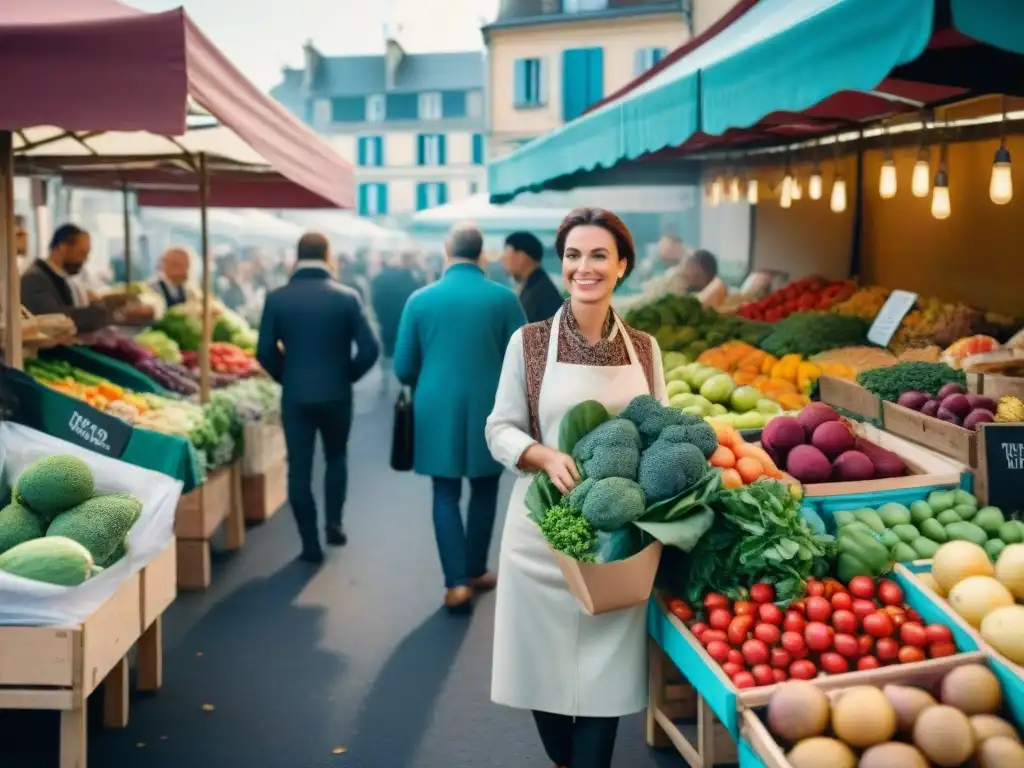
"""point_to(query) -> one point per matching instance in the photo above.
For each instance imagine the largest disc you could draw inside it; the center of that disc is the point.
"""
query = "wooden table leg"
(236, 512)
(151, 657)
(115, 696)
(656, 736)
(73, 738)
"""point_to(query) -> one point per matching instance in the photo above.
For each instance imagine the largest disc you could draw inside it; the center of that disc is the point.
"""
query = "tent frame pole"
(204, 239)
(13, 352)
(127, 214)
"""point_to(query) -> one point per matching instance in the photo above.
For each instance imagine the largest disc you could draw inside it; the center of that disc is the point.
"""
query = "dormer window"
(376, 109)
(430, 106)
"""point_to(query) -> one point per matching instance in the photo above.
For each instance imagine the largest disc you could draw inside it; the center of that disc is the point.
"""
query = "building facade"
(413, 124)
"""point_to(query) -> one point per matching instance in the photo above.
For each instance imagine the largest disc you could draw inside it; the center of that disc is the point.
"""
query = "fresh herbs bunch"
(810, 333)
(891, 381)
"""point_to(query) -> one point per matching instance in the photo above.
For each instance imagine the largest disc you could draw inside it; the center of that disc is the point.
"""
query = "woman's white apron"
(549, 654)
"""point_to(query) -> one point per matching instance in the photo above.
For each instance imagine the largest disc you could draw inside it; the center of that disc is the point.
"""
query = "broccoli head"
(700, 434)
(568, 532)
(670, 465)
(613, 502)
(578, 494)
(651, 417)
(610, 450)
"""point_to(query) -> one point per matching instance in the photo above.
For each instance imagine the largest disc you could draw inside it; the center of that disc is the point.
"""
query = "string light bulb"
(837, 202)
(887, 181)
(796, 190)
(814, 184)
(1000, 187)
(752, 191)
(734, 190)
(921, 180)
(786, 195)
(941, 207)
(716, 192)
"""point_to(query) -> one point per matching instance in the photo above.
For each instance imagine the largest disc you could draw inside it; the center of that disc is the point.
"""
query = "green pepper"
(860, 554)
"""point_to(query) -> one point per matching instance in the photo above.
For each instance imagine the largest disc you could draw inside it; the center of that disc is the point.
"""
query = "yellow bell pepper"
(807, 374)
(786, 368)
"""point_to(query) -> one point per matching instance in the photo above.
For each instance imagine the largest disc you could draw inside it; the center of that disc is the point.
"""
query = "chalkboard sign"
(1004, 463)
(30, 403)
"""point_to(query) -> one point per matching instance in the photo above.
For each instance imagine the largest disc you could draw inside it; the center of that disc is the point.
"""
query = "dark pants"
(463, 549)
(302, 422)
(577, 742)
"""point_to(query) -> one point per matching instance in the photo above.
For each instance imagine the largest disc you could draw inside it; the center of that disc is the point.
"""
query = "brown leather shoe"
(458, 598)
(485, 582)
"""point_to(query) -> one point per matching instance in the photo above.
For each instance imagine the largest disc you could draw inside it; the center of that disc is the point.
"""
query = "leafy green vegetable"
(890, 382)
(810, 333)
(681, 521)
(568, 532)
(183, 329)
(541, 496)
(578, 421)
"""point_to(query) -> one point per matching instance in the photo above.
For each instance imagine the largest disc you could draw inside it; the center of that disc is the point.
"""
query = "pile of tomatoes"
(834, 629)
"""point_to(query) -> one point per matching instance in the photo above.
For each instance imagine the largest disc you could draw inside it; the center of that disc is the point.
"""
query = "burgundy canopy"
(98, 65)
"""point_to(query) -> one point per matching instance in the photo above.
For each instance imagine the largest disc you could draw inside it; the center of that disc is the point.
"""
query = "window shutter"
(361, 150)
(442, 193)
(519, 85)
(421, 196)
(575, 66)
(478, 149)
(542, 81)
(362, 200)
(595, 77)
(382, 198)
(379, 142)
(441, 147)
(421, 149)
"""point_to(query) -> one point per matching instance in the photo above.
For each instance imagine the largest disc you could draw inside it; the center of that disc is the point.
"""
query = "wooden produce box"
(995, 385)
(57, 668)
(940, 436)
(850, 396)
(158, 589)
(200, 512)
(264, 471)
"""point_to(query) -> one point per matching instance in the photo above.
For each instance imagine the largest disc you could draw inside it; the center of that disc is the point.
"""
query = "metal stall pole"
(13, 353)
(204, 239)
(127, 213)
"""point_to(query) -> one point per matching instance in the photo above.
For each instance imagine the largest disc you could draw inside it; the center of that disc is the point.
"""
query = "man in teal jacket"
(450, 347)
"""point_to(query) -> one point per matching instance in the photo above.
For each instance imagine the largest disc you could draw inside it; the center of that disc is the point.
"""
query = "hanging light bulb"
(795, 189)
(786, 194)
(716, 192)
(1000, 187)
(734, 190)
(752, 191)
(887, 178)
(922, 178)
(838, 200)
(814, 184)
(940, 194)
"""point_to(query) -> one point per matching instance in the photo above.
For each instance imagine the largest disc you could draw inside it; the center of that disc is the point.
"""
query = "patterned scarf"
(606, 352)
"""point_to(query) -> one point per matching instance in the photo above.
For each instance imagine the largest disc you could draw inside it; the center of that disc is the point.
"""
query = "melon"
(944, 735)
(51, 559)
(987, 726)
(1000, 752)
(1010, 569)
(976, 597)
(862, 717)
(929, 581)
(1003, 629)
(798, 711)
(819, 751)
(957, 560)
(973, 689)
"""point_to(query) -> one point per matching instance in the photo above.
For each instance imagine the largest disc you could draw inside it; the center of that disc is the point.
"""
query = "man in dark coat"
(305, 343)
(537, 293)
(390, 290)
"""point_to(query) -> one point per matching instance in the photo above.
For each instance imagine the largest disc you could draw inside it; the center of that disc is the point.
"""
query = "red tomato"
(715, 600)
(914, 615)
(793, 621)
(844, 621)
(719, 651)
(912, 633)
(938, 650)
(939, 633)
(770, 613)
(744, 608)
(889, 593)
(887, 649)
(763, 674)
(862, 608)
(846, 645)
(713, 634)
(755, 652)
(780, 675)
(743, 680)
(780, 658)
(719, 618)
(731, 669)
(818, 609)
(769, 634)
(909, 653)
(698, 628)
(675, 605)
(841, 601)
(802, 670)
(868, 662)
(834, 664)
(832, 588)
(735, 656)
(815, 588)
(794, 643)
(879, 624)
(799, 606)
(866, 643)
(739, 627)
(762, 593)
(862, 587)
(683, 612)
(895, 610)
(817, 636)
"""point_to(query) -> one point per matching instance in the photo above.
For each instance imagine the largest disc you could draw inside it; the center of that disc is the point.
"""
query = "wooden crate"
(158, 589)
(200, 513)
(264, 494)
(850, 396)
(995, 386)
(940, 436)
(57, 668)
(264, 448)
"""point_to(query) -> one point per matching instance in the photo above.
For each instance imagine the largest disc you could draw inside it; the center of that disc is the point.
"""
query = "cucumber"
(933, 530)
(966, 511)
(903, 553)
(964, 531)
(924, 547)
(948, 517)
(871, 519)
(907, 533)
(920, 511)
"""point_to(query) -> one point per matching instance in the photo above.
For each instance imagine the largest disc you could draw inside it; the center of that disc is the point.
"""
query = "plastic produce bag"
(33, 603)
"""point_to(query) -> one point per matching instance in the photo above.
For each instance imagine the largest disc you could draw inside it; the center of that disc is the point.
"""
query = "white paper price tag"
(890, 317)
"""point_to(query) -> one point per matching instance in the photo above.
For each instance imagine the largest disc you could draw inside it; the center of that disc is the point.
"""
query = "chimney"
(311, 63)
(394, 53)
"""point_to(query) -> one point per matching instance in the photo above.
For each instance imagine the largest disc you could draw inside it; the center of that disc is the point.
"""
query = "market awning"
(773, 69)
(487, 216)
(96, 65)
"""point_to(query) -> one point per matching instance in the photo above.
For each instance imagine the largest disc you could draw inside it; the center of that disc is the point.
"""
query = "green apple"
(677, 374)
(684, 400)
(718, 388)
(677, 387)
(745, 399)
(725, 418)
(696, 410)
(717, 409)
(749, 420)
(674, 360)
(769, 407)
(697, 378)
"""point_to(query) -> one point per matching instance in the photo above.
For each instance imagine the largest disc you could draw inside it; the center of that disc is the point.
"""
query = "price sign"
(889, 318)
(1004, 463)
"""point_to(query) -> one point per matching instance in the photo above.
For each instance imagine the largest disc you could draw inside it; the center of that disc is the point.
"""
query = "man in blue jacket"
(305, 344)
(450, 347)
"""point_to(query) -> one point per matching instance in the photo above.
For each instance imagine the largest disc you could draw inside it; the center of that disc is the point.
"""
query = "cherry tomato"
(799, 606)
(769, 613)
(817, 636)
(815, 588)
(895, 610)
(834, 664)
(908, 654)
(846, 645)
(887, 649)
(713, 634)
(841, 601)
(780, 675)
(793, 621)
(762, 593)
(862, 587)
(794, 644)
(698, 628)
(889, 593)
(715, 600)
(719, 651)
(868, 662)
(879, 624)
(739, 627)
(938, 650)
(680, 609)
(743, 680)
(731, 669)
(866, 643)
(744, 608)
(832, 588)
(719, 618)
(769, 634)
(763, 674)
(912, 633)
(802, 670)
(735, 656)
(939, 633)
(818, 609)
(914, 616)
(755, 652)
(862, 608)
(780, 658)
(899, 620)
(844, 621)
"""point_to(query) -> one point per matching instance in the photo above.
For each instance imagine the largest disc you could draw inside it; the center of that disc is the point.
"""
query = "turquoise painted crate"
(748, 755)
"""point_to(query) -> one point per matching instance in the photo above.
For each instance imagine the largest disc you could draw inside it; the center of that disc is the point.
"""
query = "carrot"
(749, 469)
(723, 457)
(756, 452)
(726, 433)
(731, 479)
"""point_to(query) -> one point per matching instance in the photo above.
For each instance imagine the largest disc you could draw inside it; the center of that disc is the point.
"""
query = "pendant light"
(837, 201)
(734, 189)
(752, 196)
(786, 194)
(796, 189)
(887, 181)
(1000, 187)
(814, 184)
(941, 208)
(715, 195)
(922, 177)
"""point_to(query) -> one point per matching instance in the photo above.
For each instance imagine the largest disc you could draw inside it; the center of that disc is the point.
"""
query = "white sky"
(261, 36)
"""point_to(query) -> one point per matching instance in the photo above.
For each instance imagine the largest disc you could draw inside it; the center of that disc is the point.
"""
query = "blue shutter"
(362, 200)
(379, 142)
(382, 199)
(421, 196)
(441, 147)
(520, 74)
(453, 103)
(659, 54)
(421, 149)
(348, 109)
(361, 150)
(575, 65)
(478, 149)
(595, 76)
(442, 193)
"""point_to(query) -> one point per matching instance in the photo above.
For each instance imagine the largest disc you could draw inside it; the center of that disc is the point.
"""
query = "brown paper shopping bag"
(606, 587)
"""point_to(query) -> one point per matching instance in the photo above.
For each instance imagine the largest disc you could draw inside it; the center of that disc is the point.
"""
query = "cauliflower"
(670, 465)
(610, 450)
(651, 417)
(568, 532)
(613, 502)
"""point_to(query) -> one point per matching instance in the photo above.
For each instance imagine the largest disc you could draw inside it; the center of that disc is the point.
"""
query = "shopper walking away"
(305, 343)
(578, 673)
(537, 293)
(451, 341)
(390, 290)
